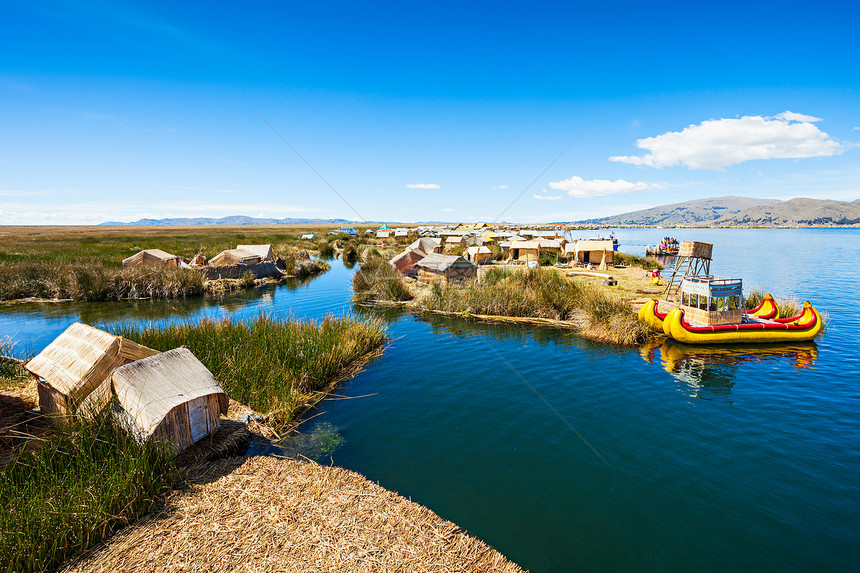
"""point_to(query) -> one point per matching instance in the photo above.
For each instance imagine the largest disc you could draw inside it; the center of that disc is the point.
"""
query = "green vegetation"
(92, 281)
(11, 371)
(78, 488)
(647, 263)
(270, 365)
(376, 280)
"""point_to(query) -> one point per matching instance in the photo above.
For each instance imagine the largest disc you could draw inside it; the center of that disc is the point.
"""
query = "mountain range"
(233, 220)
(733, 211)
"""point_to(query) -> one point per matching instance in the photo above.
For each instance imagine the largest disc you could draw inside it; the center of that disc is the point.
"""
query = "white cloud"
(500, 187)
(791, 116)
(857, 129)
(579, 187)
(718, 143)
(423, 186)
(548, 197)
(448, 209)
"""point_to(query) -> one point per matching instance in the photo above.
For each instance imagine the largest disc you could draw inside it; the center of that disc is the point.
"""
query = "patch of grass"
(539, 293)
(377, 280)
(787, 307)
(94, 282)
(647, 263)
(64, 497)
(269, 365)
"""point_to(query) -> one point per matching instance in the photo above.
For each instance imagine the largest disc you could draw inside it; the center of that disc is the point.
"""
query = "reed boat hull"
(801, 328)
(766, 309)
(650, 315)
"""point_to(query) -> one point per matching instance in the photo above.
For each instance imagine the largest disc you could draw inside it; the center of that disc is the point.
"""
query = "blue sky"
(421, 111)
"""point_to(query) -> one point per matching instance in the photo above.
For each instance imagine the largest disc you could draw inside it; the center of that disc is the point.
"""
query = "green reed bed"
(647, 263)
(270, 365)
(94, 282)
(78, 488)
(376, 280)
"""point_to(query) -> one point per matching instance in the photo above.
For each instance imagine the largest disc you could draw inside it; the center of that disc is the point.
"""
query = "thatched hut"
(263, 251)
(401, 233)
(455, 241)
(152, 258)
(234, 257)
(594, 251)
(404, 263)
(169, 396)
(445, 269)
(479, 255)
(526, 252)
(75, 367)
(426, 245)
(384, 233)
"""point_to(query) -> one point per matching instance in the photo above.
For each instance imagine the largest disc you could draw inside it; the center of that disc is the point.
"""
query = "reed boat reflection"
(709, 372)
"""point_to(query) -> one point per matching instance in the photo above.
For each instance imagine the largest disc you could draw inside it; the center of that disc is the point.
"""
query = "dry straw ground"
(272, 514)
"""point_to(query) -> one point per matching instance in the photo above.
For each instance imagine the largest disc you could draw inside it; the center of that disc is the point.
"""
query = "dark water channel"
(566, 454)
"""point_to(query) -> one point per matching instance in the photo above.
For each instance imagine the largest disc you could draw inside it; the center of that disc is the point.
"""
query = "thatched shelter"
(445, 269)
(594, 251)
(153, 258)
(74, 369)
(400, 233)
(384, 234)
(404, 263)
(263, 251)
(426, 245)
(234, 257)
(455, 241)
(479, 255)
(526, 252)
(169, 396)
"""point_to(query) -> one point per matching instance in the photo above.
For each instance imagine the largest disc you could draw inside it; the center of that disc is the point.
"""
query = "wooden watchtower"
(694, 259)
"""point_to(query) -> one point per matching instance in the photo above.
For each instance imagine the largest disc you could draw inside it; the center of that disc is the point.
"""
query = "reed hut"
(526, 252)
(234, 257)
(263, 251)
(426, 245)
(479, 255)
(74, 369)
(445, 269)
(401, 233)
(550, 246)
(170, 396)
(404, 263)
(455, 241)
(151, 258)
(594, 251)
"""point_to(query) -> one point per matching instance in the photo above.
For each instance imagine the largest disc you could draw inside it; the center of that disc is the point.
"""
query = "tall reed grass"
(647, 263)
(377, 280)
(541, 293)
(64, 497)
(270, 365)
(94, 282)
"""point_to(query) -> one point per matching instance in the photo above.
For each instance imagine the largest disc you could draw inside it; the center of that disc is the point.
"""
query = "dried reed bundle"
(286, 515)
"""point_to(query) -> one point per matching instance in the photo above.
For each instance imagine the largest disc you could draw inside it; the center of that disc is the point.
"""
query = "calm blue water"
(566, 454)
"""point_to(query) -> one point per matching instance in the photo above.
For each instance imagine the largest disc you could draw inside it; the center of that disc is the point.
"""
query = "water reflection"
(709, 372)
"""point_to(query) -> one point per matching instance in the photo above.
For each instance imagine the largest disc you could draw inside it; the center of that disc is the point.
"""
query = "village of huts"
(165, 395)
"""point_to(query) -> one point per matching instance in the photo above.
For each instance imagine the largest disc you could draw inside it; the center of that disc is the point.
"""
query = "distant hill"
(697, 212)
(796, 212)
(234, 220)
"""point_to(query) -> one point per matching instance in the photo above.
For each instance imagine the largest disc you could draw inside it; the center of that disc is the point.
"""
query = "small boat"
(669, 246)
(803, 327)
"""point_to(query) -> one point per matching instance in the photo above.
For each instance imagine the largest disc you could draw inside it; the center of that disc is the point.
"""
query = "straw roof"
(148, 389)
(439, 263)
(149, 257)
(527, 245)
(426, 245)
(594, 245)
(233, 257)
(478, 250)
(263, 251)
(82, 357)
(272, 514)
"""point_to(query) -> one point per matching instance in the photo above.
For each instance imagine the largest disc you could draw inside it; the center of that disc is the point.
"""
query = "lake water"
(566, 454)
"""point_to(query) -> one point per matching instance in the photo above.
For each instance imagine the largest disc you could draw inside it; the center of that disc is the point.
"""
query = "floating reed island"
(100, 470)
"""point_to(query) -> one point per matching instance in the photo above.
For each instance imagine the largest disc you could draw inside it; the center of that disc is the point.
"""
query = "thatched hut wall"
(263, 251)
(74, 369)
(169, 396)
(259, 270)
(151, 257)
(234, 257)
